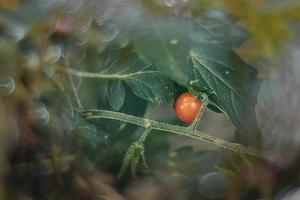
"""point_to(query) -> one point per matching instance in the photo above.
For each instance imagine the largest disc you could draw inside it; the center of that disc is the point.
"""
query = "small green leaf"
(115, 94)
(133, 156)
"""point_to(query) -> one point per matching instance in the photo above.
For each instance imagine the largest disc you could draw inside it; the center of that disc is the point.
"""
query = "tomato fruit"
(187, 107)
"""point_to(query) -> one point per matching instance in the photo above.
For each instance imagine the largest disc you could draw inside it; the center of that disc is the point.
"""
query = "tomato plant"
(88, 91)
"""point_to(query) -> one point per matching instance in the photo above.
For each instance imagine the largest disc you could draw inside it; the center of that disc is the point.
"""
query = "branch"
(186, 131)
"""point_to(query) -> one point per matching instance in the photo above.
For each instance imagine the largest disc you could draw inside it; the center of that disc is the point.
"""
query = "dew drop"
(7, 85)
(227, 72)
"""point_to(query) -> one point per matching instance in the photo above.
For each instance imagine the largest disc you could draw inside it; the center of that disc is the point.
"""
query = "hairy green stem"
(144, 135)
(186, 131)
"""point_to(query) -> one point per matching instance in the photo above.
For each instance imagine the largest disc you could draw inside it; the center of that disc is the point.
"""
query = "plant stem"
(75, 92)
(144, 135)
(186, 131)
(196, 122)
(104, 75)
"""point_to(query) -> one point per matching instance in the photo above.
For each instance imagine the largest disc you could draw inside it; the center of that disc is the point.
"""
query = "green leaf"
(134, 155)
(145, 81)
(233, 82)
(123, 64)
(115, 94)
(165, 44)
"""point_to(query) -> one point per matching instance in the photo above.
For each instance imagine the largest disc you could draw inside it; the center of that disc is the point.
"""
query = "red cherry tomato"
(187, 107)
